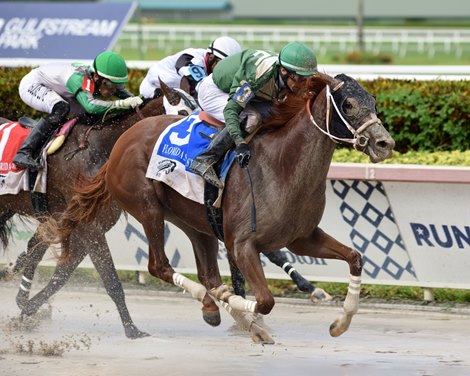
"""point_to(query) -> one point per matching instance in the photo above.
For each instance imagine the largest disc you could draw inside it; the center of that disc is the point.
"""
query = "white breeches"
(211, 99)
(36, 95)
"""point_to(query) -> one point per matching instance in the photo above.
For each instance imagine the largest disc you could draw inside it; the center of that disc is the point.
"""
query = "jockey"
(192, 63)
(252, 74)
(61, 89)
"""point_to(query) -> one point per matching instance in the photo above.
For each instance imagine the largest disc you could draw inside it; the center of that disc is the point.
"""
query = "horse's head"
(177, 101)
(354, 119)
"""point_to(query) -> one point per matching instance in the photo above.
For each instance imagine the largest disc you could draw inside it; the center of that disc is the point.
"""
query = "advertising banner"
(55, 30)
(411, 233)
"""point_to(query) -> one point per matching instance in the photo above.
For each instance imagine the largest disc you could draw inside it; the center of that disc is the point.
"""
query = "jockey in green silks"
(62, 89)
(251, 75)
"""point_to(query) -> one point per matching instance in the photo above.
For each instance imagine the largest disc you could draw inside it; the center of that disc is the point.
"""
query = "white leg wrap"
(26, 279)
(235, 302)
(240, 304)
(196, 290)
(351, 303)
(25, 288)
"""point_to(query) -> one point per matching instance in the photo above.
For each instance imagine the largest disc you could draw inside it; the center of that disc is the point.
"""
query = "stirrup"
(26, 162)
(211, 177)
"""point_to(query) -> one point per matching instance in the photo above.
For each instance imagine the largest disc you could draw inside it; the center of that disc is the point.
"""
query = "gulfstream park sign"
(60, 30)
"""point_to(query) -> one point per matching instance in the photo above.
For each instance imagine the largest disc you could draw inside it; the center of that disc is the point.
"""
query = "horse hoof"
(134, 333)
(211, 317)
(27, 310)
(319, 295)
(336, 330)
(7, 274)
(260, 335)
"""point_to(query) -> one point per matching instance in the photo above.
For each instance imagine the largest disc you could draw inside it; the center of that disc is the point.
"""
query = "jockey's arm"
(240, 94)
(93, 105)
(182, 66)
(122, 92)
(231, 115)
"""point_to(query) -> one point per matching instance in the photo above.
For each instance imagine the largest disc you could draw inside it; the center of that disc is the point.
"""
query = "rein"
(99, 125)
(359, 141)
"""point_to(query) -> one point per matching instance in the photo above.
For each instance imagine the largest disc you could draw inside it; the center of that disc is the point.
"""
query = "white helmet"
(223, 47)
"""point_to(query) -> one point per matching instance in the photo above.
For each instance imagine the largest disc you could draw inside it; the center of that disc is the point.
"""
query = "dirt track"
(86, 325)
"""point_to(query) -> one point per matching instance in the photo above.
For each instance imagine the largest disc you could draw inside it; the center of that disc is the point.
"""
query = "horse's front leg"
(246, 312)
(206, 249)
(322, 245)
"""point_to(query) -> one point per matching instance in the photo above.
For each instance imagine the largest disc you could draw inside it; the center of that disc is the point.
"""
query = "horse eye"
(183, 113)
(347, 106)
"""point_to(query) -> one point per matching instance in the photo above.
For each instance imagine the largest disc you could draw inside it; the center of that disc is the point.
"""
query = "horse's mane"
(112, 118)
(285, 110)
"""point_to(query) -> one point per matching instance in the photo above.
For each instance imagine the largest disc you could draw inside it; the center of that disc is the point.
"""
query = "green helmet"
(297, 57)
(112, 66)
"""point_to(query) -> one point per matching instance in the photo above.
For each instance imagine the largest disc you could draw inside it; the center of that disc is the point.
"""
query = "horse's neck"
(118, 126)
(303, 154)
(102, 141)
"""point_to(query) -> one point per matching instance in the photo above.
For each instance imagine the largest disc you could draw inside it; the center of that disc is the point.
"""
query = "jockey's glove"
(131, 102)
(243, 154)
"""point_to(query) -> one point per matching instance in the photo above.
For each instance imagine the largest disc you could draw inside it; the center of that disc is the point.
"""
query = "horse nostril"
(385, 144)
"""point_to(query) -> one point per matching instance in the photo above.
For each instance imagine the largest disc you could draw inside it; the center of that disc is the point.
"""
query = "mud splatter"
(67, 343)
(19, 334)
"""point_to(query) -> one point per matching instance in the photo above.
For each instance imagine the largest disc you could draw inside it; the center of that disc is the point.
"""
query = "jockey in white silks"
(192, 63)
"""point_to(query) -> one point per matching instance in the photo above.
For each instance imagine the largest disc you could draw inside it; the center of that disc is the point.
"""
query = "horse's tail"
(90, 197)
(5, 228)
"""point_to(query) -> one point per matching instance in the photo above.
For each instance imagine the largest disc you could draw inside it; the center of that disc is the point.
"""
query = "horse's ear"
(170, 94)
(338, 82)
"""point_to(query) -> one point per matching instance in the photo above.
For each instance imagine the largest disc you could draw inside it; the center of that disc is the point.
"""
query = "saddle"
(39, 199)
(209, 119)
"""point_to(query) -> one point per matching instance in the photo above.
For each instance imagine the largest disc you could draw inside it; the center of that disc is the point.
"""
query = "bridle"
(359, 141)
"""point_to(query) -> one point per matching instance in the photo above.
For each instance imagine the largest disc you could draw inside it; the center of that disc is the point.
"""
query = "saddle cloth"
(13, 180)
(174, 151)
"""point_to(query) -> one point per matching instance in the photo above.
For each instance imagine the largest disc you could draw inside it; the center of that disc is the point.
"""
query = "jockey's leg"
(27, 155)
(203, 163)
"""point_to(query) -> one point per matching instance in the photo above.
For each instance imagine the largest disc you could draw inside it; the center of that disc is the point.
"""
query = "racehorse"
(291, 157)
(177, 102)
(83, 153)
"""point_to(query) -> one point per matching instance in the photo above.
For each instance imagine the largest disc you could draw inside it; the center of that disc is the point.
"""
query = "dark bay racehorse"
(291, 158)
(89, 240)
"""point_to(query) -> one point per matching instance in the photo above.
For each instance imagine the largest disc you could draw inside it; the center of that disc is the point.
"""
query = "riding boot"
(27, 155)
(203, 163)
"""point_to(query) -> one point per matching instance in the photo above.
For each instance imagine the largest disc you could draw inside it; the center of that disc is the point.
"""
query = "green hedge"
(420, 115)
(424, 115)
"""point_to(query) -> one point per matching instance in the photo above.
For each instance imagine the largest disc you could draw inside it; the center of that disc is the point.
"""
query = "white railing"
(171, 38)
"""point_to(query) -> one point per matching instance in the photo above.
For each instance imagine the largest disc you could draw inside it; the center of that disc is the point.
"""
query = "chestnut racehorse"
(291, 156)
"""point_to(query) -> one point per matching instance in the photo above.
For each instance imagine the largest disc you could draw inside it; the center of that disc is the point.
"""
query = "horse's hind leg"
(238, 280)
(101, 257)
(149, 213)
(322, 245)
(206, 249)
(28, 261)
(280, 259)
(61, 275)
(317, 294)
